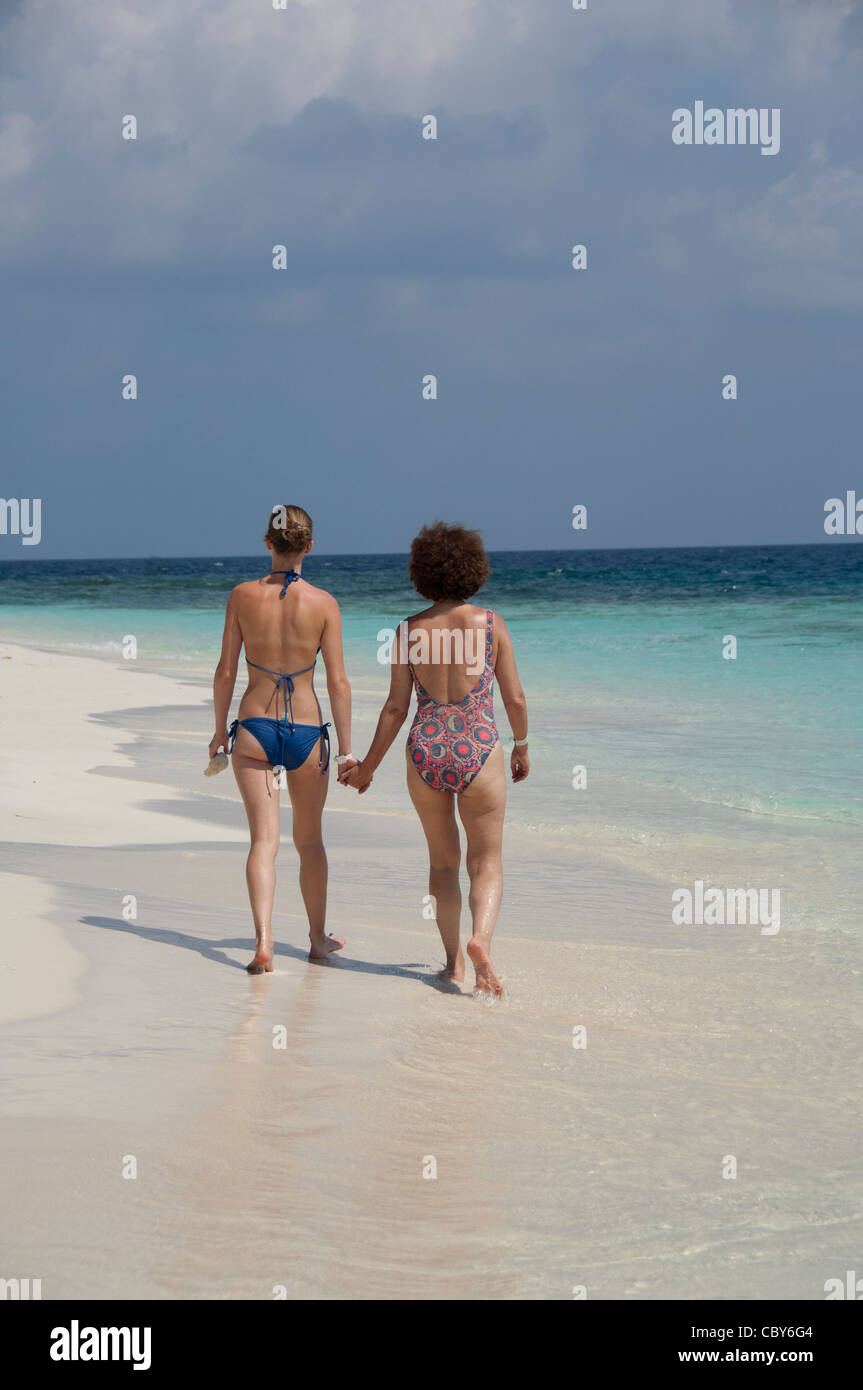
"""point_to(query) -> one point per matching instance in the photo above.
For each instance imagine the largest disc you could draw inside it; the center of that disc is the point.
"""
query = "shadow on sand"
(215, 951)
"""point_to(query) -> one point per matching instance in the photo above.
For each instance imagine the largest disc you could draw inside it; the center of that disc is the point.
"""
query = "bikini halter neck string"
(290, 576)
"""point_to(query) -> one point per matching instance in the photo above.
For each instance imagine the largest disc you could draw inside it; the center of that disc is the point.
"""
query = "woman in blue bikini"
(279, 738)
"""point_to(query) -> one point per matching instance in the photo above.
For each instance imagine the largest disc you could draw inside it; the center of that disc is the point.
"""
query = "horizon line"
(372, 554)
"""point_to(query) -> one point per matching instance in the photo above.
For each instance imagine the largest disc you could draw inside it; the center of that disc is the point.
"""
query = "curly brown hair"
(448, 562)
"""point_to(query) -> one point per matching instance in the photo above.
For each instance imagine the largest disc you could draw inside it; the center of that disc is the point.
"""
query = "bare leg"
(437, 816)
(481, 808)
(308, 792)
(261, 800)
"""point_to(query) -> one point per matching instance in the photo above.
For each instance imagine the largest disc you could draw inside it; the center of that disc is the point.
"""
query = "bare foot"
(487, 981)
(324, 946)
(262, 961)
(453, 970)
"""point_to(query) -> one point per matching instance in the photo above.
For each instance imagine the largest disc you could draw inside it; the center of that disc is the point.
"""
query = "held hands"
(342, 769)
(355, 775)
(520, 764)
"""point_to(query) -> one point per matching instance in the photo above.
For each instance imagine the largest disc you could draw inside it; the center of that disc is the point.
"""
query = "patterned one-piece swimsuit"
(449, 743)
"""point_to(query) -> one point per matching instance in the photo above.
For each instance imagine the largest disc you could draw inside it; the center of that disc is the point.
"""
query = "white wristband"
(519, 742)
(344, 758)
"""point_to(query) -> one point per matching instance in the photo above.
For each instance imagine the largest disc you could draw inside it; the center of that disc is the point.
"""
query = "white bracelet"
(344, 758)
(519, 742)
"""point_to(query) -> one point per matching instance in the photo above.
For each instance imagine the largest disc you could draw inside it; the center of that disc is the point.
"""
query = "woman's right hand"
(520, 764)
(219, 741)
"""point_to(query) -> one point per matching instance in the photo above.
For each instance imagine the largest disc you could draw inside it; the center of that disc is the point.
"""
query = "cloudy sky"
(405, 257)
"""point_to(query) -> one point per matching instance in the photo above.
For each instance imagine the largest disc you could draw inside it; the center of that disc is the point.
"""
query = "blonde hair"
(290, 529)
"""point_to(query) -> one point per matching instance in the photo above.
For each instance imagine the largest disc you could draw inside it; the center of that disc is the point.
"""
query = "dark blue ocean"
(523, 583)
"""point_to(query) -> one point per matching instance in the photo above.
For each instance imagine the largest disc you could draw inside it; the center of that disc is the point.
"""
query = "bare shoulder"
(500, 635)
(497, 621)
(415, 617)
(240, 591)
(323, 594)
(322, 599)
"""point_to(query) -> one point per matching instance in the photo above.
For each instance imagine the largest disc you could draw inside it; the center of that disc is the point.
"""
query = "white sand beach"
(281, 1126)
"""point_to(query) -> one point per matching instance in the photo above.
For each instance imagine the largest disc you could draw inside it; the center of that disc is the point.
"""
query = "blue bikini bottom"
(286, 745)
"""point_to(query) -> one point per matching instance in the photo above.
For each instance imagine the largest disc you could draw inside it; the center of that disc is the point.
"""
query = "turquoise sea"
(747, 770)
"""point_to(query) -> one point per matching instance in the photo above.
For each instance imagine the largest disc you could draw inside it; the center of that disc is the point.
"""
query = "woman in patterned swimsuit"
(450, 653)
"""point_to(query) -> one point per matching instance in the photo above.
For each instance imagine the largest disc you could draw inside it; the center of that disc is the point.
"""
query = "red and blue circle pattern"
(448, 744)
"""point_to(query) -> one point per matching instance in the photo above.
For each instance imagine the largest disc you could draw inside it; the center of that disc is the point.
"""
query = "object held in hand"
(216, 764)
(280, 778)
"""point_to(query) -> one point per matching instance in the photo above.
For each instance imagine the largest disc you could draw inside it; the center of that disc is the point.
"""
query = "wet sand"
(282, 1125)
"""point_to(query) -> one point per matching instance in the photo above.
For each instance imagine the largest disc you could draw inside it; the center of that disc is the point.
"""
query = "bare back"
(447, 651)
(282, 634)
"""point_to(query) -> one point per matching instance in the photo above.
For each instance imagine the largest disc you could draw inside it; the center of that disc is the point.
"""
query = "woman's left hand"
(358, 778)
(519, 764)
(219, 741)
